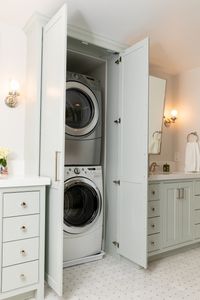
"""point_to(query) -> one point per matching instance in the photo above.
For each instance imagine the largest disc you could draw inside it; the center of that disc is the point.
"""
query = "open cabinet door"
(134, 154)
(52, 141)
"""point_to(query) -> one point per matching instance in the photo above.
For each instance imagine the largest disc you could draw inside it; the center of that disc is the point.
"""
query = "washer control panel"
(82, 171)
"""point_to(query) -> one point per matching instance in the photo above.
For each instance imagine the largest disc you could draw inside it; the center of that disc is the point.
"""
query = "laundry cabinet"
(125, 147)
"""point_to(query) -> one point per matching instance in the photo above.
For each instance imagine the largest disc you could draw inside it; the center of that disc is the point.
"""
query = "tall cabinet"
(126, 144)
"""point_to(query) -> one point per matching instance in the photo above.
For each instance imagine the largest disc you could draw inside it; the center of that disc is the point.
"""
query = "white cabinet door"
(52, 141)
(171, 214)
(177, 215)
(134, 154)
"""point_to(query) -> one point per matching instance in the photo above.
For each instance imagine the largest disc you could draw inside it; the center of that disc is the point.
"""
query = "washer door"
(82, 205)
(82, 110)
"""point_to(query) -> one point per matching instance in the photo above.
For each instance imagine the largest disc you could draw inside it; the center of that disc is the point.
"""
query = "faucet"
(152, 167)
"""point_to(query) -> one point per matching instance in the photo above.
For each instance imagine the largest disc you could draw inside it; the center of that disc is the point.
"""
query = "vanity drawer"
(154, 209)
(197, 217)
(154, 192)
(153, 242)
(153, 225)
(197, 231)
(23, 203)
(196, 202)
(20, 251)
(17, 228)
(19, 276)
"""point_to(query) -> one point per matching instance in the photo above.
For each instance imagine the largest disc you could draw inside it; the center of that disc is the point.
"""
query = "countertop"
(22, 181)
(173, 176)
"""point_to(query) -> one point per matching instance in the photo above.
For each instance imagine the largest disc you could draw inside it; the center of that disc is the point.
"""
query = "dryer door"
(82, 110)
(82, 205)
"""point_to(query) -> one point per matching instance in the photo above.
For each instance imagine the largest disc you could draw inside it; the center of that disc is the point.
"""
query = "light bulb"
(174, 113)
(14, 86)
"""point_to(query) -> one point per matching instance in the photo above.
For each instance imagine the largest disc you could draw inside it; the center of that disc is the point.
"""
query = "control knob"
(77, 171)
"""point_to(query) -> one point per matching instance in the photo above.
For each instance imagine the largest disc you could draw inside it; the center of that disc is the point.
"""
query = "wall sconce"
(171, 119)
(11, 99)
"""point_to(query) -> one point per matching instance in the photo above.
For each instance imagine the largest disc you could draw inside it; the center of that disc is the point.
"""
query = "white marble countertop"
(19, 181)
(173, 176)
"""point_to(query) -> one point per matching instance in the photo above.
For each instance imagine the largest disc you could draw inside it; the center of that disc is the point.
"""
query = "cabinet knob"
(22, 276)
(152, 243)
(23, 228)
(23, 252)
(153, 208)
(152, 225)
(23, 204)
(153, 192)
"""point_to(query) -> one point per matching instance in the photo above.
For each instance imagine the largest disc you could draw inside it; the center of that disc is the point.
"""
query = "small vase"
(3, 171)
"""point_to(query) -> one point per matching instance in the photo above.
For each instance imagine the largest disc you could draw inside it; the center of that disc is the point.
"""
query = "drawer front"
(197, 217)
(25, 203)
(153, 209)
(19, 276)
(20, 228)
(20, 251)
(196, 202)
(197, 231)
(154, 193)
(153, 225)
(153, 242)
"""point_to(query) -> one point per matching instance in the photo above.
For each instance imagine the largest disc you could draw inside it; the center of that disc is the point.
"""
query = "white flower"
(4, 153)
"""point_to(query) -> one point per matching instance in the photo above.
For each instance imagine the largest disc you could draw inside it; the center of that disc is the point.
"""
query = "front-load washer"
(83, 120)
(83, 215)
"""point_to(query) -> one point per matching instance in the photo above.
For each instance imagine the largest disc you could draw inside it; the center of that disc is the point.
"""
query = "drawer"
(196, 202)
(197, 188)
(23, 203)
(153, 209)
(197, 217)
(20, 251)
(19, 276)
(197, 231)
(154, 192)
(17, 228)
(153, 242)
(153, 225)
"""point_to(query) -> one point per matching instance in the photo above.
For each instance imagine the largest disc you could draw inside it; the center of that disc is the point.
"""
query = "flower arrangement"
(3, 161)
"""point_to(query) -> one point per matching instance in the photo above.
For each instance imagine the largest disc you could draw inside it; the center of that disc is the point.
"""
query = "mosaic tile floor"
(175, 277)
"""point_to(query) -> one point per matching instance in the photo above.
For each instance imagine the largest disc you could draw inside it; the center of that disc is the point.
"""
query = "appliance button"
(76, 171)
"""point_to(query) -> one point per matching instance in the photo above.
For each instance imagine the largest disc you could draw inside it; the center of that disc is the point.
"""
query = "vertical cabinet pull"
(57, 157)
(180, 193)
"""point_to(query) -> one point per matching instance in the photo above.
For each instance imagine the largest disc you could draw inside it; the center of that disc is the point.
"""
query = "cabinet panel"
(153, 242)
(153, 209)
(171, 215)
(154, 225)
(186, 194)
(154, 192)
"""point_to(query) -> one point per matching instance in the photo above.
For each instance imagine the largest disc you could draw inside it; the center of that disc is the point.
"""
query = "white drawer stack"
(154, 218)
(20, 240)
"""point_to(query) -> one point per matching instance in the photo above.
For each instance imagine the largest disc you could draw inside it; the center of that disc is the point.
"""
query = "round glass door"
(82, 205)
(82, 111)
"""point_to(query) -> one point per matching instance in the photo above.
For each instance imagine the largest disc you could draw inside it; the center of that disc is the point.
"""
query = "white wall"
(188, 105)
(12, 66)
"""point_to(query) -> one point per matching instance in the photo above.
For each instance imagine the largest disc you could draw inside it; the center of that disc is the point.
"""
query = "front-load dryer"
(83, 120)
(83, 214)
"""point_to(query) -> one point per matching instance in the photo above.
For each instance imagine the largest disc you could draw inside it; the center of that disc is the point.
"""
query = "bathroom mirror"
(157, 88)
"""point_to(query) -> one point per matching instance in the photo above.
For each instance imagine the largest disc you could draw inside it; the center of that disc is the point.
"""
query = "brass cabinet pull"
(22, 276)
(152, 225)
(153, 192)
(152, 243)
(153, 208)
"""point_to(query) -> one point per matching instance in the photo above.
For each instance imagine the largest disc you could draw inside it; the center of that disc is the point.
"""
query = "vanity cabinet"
(174, 209)
(22, 223)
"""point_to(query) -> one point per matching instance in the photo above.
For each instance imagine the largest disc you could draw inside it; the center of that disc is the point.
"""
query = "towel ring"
(159, 132)
(193, 133)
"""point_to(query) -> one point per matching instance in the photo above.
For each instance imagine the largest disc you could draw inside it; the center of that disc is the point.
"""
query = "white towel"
(192, 157)
(154, 147)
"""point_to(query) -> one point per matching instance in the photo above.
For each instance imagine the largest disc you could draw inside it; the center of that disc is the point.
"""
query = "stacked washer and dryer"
(83, 194)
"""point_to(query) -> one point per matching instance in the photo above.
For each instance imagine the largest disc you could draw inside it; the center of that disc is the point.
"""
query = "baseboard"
(83, 260)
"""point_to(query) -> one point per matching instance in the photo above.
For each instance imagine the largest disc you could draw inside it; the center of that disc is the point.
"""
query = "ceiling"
(172, 25)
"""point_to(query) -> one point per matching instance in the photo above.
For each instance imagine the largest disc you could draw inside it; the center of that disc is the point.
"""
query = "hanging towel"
(192, 157)
(154, 147)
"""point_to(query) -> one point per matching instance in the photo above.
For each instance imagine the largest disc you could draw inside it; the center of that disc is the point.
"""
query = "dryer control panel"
(90, 171)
